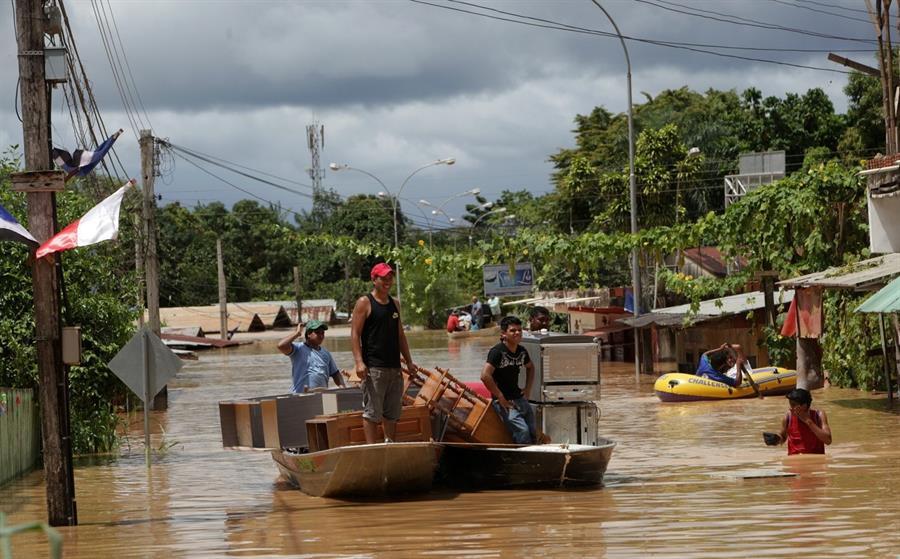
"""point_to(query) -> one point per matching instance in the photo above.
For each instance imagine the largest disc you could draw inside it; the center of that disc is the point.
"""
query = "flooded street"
(669, 491)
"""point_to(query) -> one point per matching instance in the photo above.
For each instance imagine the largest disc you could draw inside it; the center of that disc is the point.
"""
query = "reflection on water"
(668, 490)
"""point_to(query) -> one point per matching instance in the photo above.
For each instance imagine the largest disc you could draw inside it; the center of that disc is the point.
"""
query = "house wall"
(692, 342)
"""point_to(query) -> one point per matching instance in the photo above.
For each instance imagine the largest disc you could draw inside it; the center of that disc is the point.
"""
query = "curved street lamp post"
(482, 216)
(635, 270)
(394, 199)
(439, 210)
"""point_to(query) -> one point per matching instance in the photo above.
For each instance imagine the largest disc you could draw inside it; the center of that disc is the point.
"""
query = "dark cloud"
(400, 83)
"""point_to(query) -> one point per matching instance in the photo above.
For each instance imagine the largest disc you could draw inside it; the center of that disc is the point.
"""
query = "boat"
(685, 387)
(493, 466)
(366, 470)
(480, 333)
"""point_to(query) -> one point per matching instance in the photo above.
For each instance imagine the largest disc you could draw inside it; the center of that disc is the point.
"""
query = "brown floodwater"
(671, 489)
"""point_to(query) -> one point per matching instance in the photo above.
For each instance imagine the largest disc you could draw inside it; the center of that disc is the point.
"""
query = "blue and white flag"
(82, 162)
(12, 230)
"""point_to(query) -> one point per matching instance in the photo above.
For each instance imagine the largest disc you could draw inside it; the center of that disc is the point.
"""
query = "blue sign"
(499, 281)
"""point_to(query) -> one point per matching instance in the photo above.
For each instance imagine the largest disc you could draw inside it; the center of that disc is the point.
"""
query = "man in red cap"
(376, 333)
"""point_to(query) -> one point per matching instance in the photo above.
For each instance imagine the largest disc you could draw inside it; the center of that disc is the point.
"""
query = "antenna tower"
(315, 139)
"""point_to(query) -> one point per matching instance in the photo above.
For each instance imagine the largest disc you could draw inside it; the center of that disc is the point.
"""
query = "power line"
(573, 29)
(820, 11)
(747, 22)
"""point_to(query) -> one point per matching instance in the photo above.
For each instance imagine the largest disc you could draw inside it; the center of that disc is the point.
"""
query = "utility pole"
(297, 295)
(151, 259)
(139, 266)
(57, 453)
(223, 302)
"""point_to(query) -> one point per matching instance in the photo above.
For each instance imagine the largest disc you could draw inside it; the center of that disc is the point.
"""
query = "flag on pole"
(12, 230)
(101, 223)
(82, 162)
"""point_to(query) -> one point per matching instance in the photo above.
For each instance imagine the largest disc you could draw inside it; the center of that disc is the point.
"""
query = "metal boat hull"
(371, 470)
(485, 466)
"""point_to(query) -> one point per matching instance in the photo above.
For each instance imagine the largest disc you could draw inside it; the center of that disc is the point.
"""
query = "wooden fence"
(20, 433)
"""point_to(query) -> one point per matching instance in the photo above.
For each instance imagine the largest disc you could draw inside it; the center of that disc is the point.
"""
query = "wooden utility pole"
(297, 295)
(30, 23)
(223, 302)
(151, 259)
(880, 16)
(139, 267)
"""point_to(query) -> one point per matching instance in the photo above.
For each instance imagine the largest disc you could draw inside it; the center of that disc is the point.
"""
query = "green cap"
(316, 325)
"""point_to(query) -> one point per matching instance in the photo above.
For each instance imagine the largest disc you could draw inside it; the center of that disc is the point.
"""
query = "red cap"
(380, 270)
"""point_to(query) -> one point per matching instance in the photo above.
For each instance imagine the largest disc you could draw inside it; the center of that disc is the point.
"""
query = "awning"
(867, 274)
(886, 300)
(711, 309)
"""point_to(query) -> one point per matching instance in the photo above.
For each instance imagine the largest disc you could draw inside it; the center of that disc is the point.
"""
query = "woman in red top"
(806, 430)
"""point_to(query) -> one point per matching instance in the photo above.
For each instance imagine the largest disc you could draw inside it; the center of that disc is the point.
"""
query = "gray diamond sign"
(128, 364)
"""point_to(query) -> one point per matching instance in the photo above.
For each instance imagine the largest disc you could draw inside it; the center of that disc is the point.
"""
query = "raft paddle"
(752, 382)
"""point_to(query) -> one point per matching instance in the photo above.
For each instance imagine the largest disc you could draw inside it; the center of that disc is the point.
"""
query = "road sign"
(161, 364)
(498, 280)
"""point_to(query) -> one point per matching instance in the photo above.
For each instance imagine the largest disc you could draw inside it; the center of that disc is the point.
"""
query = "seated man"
(501, 377)
(311, 364)
(453, 322)
(716, 362)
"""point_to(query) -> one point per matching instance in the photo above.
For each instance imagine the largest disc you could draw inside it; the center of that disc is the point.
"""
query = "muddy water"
(671, 489)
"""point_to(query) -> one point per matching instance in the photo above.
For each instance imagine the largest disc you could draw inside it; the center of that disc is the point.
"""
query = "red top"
(453, 323)
(801, 439)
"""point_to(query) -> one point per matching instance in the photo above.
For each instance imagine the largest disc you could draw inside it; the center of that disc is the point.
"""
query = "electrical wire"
(820, 11)
(573, 29)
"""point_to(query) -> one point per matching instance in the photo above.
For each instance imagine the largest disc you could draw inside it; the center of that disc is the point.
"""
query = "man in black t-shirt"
(501, 376)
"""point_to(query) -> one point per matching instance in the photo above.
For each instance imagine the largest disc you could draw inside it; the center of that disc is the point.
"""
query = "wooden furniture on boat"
(369, 470)
(343, 429)
(479, 466)
(278, 421)
(469, 416)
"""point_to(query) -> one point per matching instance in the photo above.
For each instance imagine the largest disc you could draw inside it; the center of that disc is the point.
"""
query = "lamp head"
(448, 161)
(335, 167)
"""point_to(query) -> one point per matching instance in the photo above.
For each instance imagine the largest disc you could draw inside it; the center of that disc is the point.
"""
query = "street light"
(439, 209)
(394, 199)
(635, 270)
(482, 216)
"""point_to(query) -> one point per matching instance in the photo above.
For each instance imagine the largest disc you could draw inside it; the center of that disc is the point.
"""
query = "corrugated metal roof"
(884, 301)
(709, 310)
(862, 275)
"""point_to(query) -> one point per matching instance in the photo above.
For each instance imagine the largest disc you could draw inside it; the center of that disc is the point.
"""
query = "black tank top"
(381, 335)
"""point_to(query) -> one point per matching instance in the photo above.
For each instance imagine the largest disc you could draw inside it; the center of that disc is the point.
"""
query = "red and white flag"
(101, 223)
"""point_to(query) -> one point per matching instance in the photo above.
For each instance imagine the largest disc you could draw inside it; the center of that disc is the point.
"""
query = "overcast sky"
(398, 84)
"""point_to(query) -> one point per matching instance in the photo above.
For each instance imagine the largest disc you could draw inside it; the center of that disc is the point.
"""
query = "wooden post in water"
(223, 301)
(29, 28)
(151, 267)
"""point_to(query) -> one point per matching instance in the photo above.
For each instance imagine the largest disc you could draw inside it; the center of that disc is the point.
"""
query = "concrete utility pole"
(57, 452)
(223, 301)
(151, 259)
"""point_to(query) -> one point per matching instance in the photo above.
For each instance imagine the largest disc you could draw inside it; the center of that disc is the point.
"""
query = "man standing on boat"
(311, 364)
(501, 376)
(376, 333)
(715, 363)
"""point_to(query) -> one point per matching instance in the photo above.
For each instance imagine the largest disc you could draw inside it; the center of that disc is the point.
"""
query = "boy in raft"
(715, 362)
(806, 430)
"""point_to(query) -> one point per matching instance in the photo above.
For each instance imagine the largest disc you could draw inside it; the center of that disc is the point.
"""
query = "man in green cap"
(311, 364)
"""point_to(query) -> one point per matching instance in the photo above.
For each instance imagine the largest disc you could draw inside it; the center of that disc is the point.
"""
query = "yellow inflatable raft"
(682, 387)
